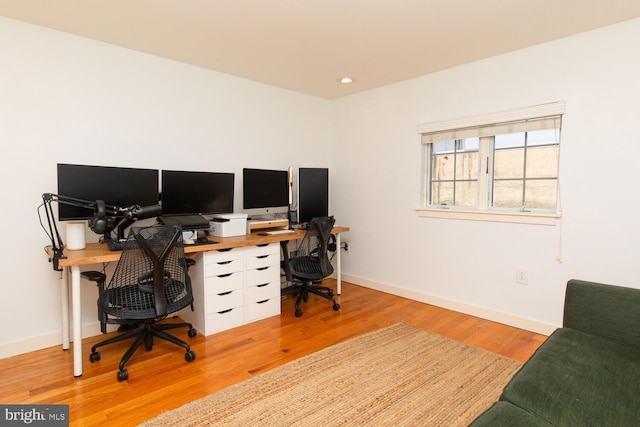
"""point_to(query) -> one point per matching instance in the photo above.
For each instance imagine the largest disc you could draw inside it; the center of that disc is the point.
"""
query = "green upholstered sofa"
(586, 373)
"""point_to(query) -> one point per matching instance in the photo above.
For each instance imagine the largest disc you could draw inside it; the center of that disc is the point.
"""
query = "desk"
(96, 253)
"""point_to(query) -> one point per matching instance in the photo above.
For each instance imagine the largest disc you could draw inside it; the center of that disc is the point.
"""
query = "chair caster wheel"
(336, 306)
(192, 332)
(190, 356)
(298, 313)
(94, 357)
(123, 375)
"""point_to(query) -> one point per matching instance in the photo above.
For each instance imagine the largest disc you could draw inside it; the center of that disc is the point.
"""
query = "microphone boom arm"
(114, 215)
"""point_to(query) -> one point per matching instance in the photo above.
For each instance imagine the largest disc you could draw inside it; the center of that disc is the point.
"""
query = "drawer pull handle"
(224, 262)
(225, 293)
(262, 302)
(225, 275)
(262, 268)
(262, 285)
(225, 311)
(262, 256)
(224, 250)
(263, 244)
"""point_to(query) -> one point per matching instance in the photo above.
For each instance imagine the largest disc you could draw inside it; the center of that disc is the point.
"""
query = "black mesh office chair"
(310, 263)
(149, 283)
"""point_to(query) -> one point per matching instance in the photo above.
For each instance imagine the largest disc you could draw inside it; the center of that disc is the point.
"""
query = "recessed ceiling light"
(346, 80)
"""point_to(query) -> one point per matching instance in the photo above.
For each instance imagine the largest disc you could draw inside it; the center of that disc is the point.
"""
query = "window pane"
(508, 163)
(543, 137)
(443, 147)
(542, 162)
(442, 193)
(467, 165)
(442, 167)
(467, 193)
(509, 140)
(507, 194)
(541, 194)
(469, 144)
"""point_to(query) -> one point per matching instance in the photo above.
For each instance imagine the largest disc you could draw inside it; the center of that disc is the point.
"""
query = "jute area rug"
(396, 376)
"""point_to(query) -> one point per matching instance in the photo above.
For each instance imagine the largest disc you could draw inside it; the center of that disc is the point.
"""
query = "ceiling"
(308, 45)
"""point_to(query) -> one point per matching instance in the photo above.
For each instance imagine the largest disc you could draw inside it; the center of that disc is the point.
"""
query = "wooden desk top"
(95, 253)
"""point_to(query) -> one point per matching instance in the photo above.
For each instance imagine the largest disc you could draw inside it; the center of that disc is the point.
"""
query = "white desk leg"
(338, 267)
(64, 308)
(77, 321)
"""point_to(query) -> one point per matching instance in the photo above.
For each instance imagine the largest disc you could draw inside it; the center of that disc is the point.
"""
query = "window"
(502, 167)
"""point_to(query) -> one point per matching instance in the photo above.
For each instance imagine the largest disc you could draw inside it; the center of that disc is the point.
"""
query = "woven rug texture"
(399, 375)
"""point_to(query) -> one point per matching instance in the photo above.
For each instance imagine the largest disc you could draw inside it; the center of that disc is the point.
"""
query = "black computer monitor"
(313, 193)
(265, 191)
(117, 186)
(196, 193)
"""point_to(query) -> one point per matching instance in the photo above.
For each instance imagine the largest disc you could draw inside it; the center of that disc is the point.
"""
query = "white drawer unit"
(233, 287)
(262, 280)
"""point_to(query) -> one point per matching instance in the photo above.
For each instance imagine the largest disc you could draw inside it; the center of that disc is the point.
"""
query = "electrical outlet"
(522, 276)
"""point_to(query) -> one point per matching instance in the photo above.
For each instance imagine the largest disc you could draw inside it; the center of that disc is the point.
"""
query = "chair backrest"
(314, 246)
(150, 280)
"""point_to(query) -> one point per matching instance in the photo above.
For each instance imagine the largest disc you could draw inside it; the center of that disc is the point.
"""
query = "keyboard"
(186, 221)
(270, 232)
(116, 245)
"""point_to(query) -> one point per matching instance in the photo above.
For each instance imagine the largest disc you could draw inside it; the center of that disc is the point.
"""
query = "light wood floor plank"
(161, 380)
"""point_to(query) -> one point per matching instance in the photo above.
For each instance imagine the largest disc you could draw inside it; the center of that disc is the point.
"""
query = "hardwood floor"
(161, 380)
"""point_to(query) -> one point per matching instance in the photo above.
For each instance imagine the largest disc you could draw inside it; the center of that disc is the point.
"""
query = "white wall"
(72, 100)
(470, 265)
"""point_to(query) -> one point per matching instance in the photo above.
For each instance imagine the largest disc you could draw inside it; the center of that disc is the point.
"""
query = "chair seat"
(136, 301)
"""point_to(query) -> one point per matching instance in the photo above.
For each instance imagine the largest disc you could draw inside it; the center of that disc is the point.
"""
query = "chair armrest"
(94, 276)
(611, 312)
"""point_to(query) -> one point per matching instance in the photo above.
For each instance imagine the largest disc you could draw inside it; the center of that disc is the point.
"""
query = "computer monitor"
(196, 193)
(265, 191)
(313, 193)
(117, 186)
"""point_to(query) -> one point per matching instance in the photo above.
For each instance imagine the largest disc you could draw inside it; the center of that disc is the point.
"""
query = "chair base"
(145, 333)
(304, 289)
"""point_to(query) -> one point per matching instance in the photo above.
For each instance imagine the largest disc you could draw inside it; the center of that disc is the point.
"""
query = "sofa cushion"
(576, 379)
(507, 414)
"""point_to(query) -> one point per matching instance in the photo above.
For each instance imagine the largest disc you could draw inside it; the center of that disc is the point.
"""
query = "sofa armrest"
(611, 312)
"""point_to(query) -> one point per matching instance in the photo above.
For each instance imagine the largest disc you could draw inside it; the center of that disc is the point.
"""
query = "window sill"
(492, 216)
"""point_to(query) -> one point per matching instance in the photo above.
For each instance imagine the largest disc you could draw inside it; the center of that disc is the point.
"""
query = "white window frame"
(485, 126)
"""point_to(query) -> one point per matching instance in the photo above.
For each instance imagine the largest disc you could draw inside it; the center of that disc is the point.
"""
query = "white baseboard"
(484, 313)
(55, 339)
(43, 341)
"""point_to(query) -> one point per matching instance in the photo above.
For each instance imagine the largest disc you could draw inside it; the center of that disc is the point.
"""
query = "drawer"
(257, 251)
(223, 255)
(262, 309)
(260, 261)
(224, 320)
(263, 291)
(224, 301)
(263, 275)
(224, 283)
(223, 267)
